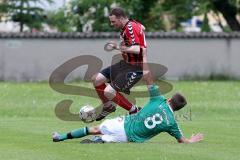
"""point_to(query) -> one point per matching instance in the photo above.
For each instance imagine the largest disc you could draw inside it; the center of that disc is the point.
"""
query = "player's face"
(115, 22)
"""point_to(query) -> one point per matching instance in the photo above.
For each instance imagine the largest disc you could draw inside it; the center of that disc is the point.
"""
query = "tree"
(175, 11)
(154, 14)
(140, 10)
(94, 13)
(26, 12)
(62, 20)
(229, 11)
(3, 8)
(182, 10)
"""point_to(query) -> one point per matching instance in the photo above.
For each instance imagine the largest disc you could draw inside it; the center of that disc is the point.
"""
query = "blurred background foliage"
(92, 15)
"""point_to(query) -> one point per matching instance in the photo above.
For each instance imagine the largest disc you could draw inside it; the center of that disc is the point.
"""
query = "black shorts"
(123, 76)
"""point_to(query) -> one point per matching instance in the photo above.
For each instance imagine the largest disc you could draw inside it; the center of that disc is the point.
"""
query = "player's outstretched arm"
(132, 49)
(193, 139)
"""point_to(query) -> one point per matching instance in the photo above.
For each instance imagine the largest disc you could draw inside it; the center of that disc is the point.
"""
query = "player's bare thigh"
(95, 130)
(109, 92)
(98, 79)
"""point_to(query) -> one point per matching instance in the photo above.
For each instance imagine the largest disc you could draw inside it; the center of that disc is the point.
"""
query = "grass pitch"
(27, 120)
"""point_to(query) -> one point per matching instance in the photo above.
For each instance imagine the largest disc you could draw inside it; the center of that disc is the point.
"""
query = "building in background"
(215, 22)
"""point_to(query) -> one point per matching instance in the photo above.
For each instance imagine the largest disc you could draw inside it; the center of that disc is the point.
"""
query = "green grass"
(27, 120)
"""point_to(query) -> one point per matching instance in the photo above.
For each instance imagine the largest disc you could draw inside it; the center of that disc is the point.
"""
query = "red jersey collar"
(122, 30)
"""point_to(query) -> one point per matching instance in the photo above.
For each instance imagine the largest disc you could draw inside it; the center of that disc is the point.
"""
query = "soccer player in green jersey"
(155, 117)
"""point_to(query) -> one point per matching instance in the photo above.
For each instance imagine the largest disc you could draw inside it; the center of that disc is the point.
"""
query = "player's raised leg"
(99, 81)
(119, 99)
(108, 94)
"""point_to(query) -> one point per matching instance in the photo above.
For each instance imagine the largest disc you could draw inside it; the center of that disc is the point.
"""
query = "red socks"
(118, 99)
(122, 101)
(100, 92)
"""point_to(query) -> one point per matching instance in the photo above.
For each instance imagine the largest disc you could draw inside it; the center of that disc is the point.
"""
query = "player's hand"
(123, 48)
(196, 138)
(113, 44)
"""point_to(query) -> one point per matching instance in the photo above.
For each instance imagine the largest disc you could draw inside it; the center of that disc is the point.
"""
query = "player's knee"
(94, 130)
(94, 79)
(98, 79)
(109, 92)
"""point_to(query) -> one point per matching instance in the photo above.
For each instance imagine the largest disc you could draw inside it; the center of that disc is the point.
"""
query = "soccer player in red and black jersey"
(122, 76)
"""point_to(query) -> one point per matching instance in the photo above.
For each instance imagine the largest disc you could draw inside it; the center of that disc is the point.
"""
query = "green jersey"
(154, 118)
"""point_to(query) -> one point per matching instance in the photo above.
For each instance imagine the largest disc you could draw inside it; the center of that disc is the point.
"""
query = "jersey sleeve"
(132, 35)
(175, 131)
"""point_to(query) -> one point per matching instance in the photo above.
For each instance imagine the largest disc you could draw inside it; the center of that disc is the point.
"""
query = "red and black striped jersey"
(133, 34)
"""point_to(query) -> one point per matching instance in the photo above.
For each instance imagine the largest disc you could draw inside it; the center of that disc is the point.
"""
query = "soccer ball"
(87, 114)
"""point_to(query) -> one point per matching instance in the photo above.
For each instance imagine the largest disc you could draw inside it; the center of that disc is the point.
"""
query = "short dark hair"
(118, 12)
(178, 101)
